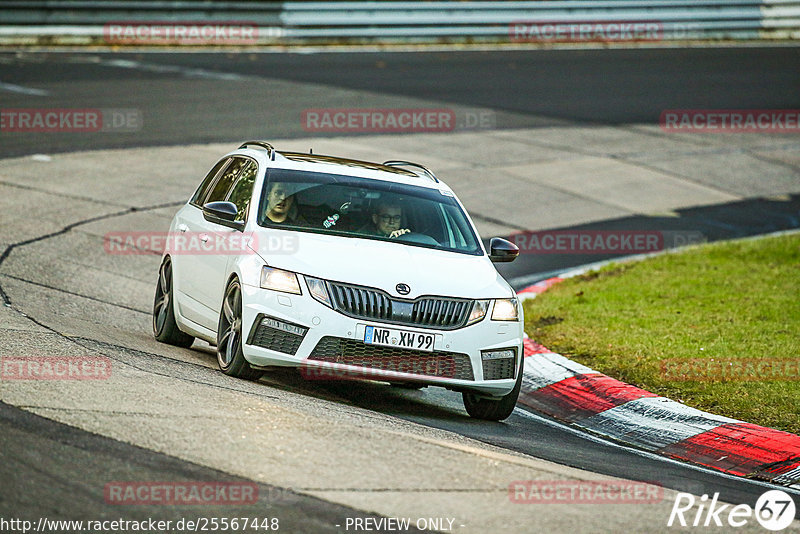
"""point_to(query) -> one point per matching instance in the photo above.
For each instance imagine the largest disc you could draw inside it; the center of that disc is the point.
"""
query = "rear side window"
(243, 190)
(202, 191)
(219, 191)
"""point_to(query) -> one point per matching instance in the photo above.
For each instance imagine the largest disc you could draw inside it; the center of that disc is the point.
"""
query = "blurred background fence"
(543, 21)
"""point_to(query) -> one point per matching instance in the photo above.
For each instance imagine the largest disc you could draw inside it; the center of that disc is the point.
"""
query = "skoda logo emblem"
(403, 289)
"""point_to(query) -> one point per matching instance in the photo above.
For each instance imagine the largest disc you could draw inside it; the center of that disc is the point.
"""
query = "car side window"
(242, 190)
(220, 189)
(202, 191)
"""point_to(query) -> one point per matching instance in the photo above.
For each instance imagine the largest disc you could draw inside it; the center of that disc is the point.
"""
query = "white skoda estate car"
(344, 269)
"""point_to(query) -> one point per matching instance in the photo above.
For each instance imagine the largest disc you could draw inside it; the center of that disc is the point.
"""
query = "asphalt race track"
(204, 97)
(572, 142)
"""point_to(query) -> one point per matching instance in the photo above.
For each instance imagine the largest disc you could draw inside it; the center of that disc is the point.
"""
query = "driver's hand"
(398, 233)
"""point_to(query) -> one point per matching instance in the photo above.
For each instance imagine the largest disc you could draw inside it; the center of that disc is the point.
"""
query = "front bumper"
(290, 330)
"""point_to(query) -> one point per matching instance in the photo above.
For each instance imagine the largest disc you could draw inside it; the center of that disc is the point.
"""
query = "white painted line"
(650, 455)
(171, 69)
(653, 422)
(13, 88)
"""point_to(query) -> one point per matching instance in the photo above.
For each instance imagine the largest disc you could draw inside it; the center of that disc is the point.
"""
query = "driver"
(279, 202)
(386, 220)
(282, 206)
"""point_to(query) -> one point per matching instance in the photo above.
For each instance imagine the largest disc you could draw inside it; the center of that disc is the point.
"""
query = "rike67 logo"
(774, 510)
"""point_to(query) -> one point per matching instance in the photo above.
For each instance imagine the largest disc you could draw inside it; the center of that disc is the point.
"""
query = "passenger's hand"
(398, 233)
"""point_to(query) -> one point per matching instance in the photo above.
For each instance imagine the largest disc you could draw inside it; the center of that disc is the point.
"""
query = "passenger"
(386, 221)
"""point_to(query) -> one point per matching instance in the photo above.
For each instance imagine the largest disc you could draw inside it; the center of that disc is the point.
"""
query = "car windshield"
(369, 209)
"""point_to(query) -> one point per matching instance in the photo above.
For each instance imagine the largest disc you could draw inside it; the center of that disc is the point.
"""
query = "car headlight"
(279, 280)
(319, 290)
(505, 310)
(479, 308)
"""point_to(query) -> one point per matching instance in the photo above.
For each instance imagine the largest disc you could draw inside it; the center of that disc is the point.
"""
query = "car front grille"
(352, 352)
(275, 335)
(443, 313)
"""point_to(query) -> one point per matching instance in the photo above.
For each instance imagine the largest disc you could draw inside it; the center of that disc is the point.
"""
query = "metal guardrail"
(437, 21)
(96, 12)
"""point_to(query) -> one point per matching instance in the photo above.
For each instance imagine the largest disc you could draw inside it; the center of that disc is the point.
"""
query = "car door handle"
(204, 238)
(182, 227)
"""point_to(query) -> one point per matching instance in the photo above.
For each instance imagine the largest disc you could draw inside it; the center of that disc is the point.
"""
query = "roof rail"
(400, 163)
(263, 144)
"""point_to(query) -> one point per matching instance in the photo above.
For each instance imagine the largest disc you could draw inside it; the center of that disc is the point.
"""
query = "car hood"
(383, 265)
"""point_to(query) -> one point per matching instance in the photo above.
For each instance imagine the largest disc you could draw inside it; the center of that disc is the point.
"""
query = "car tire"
(229, 336)
(491, 409)
(165, 329)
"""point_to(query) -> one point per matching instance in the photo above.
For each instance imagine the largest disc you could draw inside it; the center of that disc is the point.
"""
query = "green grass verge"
(694, 326)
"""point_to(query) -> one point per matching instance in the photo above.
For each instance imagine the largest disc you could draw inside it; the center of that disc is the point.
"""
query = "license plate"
(403, 339)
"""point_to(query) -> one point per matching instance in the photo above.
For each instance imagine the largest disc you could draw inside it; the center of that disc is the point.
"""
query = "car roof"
(334, 160)
(399, 171)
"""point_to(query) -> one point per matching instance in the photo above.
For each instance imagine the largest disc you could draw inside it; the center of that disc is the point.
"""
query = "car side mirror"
(501, 250)
(223, 213)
